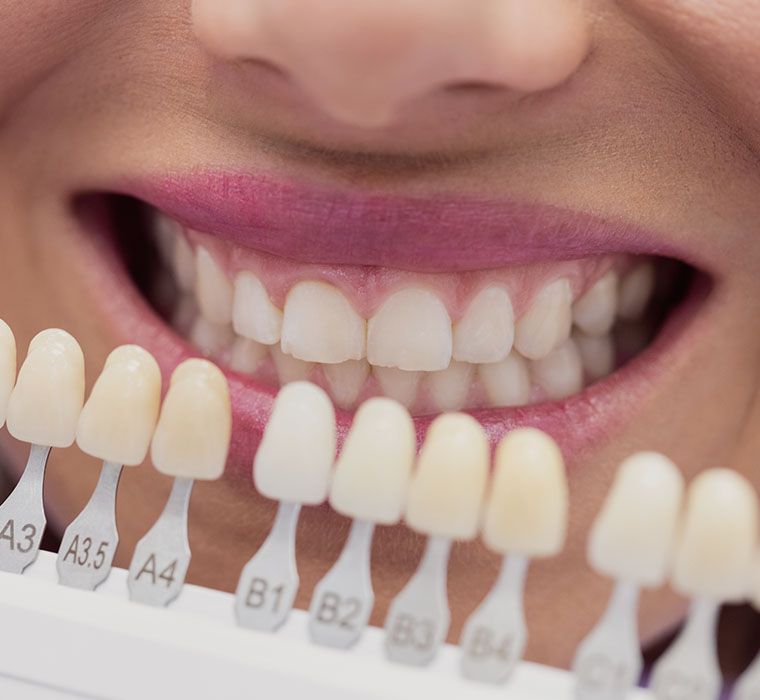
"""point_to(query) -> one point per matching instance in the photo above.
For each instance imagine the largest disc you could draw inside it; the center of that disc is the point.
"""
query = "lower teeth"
(515, 381)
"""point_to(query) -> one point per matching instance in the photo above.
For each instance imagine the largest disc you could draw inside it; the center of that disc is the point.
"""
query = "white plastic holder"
(748, 685)
(608, 662)
(59, 642)
(689, 669)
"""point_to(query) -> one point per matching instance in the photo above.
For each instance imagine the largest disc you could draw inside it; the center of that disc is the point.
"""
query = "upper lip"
(315, 224)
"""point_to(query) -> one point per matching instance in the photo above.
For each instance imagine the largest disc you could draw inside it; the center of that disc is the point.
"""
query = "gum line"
(561, 369)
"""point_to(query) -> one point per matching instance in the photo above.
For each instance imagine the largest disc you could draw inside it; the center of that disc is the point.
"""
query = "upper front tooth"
(594, 313)
(411, 331)
(7, 367)
(449, 387)
(45, 404)
(372, 474)
(635, 291)
(560, 373)
(716, 551)
(486, 331)
(192, 436)
(526, 512)
(346, 380)
(212, 288)
(118, 419)
(506, 383)
(546, 325)
(632, 537)
(254, 315)
(448, 486)
(320, 325)
(297, 451)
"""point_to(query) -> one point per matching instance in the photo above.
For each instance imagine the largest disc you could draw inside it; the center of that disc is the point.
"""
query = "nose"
(360, 60)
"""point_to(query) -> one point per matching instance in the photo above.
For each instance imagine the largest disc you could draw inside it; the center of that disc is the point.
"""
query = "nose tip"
(360, 61)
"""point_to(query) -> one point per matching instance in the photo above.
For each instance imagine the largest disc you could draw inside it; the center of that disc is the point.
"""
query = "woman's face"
(437, 148)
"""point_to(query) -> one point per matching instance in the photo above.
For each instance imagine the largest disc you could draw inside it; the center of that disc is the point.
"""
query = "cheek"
(35, 36)
(718, 43)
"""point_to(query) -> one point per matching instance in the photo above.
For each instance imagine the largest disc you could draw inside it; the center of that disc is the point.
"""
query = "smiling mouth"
(515, 322)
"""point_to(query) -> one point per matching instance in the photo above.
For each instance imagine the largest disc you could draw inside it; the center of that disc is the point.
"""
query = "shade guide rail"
(705, 544)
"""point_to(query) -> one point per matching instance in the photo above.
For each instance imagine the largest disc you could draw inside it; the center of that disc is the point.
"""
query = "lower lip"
(577, 423)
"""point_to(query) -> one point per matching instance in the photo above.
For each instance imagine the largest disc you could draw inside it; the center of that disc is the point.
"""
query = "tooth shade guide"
(161, 558)
(89, 543)
(43, 409)
(715, 555)
(106, 630)
(631, 541)
(369, 484)
(53, 367)
(22, 515)
(525, 516)
(292, 465)
(444, 502)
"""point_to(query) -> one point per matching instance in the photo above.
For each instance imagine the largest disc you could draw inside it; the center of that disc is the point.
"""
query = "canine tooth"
(254, 315)
(526, 512)
(597, 354)
(289, 369)
(560, 373)
(449, 387)
(410, 331)
(247, 355)
(506, 383)
(546, 324)
(320, 325)
(635, 292)
(212, 288)
(632, 537)
(486, 331)
(346, 380)
(7, 367)
(192, 436)
(717, 545)
(398, 384)
(210, 338)
(447, 489)
(183, 260)
(594, 313)
(118, 419)
(44, 406)
(297, 451)
(373, 471)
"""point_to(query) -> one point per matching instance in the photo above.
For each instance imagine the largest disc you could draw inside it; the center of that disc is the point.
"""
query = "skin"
(640, 110)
